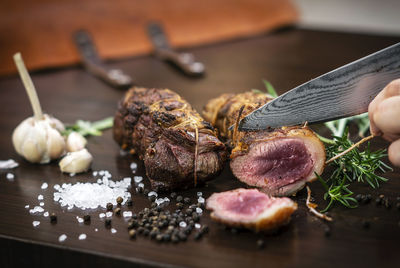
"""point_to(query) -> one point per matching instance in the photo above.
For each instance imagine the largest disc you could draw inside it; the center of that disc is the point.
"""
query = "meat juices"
(179, 148)
(251, 209)
(279, 162)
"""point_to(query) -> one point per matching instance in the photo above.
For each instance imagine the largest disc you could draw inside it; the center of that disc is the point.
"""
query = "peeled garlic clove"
(75, 142)
(38, 141)
(76, 162)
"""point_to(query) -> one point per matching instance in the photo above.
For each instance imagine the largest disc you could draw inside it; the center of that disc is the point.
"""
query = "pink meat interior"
(275, 163)
(246, 203)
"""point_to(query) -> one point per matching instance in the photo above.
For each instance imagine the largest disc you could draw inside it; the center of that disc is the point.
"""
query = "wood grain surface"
(42, 30)
(286, 58)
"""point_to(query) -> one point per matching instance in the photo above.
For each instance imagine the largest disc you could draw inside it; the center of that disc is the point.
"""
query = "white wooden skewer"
(29, 87)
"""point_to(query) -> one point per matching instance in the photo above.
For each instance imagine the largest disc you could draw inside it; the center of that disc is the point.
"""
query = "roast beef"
(279, 162)
(179, 148)
(250, 208)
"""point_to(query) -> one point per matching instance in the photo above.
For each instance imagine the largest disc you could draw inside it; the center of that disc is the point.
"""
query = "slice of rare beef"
(251, 209)
(179, 148)
(279, 162)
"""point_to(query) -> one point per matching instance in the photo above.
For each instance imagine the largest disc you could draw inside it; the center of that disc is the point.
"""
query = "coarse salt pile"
(92, 195)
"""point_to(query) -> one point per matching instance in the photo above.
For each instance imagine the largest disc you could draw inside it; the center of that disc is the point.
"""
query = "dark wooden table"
(285, 58)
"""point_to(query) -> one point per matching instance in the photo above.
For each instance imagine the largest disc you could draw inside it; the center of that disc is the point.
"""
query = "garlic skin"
(76, 162)
(75, 142)
(39, 141)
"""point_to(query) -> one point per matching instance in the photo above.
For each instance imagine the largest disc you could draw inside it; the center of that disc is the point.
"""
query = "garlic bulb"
(39, 141)
(76, 162)
(37, 138)
(75, 142)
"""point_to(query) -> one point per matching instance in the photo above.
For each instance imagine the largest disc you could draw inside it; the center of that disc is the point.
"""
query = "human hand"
(384, 115)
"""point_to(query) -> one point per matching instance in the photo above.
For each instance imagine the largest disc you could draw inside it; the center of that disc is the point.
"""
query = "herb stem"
(311, 206)
(350, 148)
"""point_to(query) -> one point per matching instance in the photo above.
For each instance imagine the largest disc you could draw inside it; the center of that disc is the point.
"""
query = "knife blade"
(340, 93)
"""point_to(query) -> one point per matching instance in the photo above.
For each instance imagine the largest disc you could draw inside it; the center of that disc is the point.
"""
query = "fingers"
(387, 117)
(394, 153)
(391, 90)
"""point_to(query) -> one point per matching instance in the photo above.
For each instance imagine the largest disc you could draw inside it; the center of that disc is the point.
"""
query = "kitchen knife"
(93, 64)
(184, 61)
(343, 92)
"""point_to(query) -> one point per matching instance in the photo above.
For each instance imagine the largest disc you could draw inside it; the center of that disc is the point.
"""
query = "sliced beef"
(279, 162)
(250, 208)
(179, 148)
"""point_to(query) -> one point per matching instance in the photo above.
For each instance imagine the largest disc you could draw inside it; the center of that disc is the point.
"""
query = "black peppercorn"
(186, 200)
(153, 234)
(367, 198)
(53, 218)
(132, 233)
(182, 236)
(159, 237)
(179, 198)
(132, 225)
(188, 212)
(174, 238)
(119, 200)
(117, 211)
(173, 195)
(129, 202)
(204, 229)
(359, 197)
(109, 206)
(167, 237)
(260, 243)
(327, 231)
(86, 218)
(198, 235)
(366, 224)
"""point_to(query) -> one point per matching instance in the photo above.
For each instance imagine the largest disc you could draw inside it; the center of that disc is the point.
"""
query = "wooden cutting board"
(42, 29)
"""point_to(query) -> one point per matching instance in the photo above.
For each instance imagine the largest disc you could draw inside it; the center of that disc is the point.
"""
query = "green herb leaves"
(271, 92)
(354, 166)
(86, 128)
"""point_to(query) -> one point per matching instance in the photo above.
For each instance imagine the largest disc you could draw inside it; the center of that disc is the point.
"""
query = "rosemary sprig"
(86, 128)
(355, 166)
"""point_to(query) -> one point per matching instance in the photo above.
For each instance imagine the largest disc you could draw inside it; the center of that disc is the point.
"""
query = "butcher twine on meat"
(179, 148)
(279, 162)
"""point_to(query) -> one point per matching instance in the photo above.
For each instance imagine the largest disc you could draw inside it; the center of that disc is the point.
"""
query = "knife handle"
(94, 65)
(184, 61)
